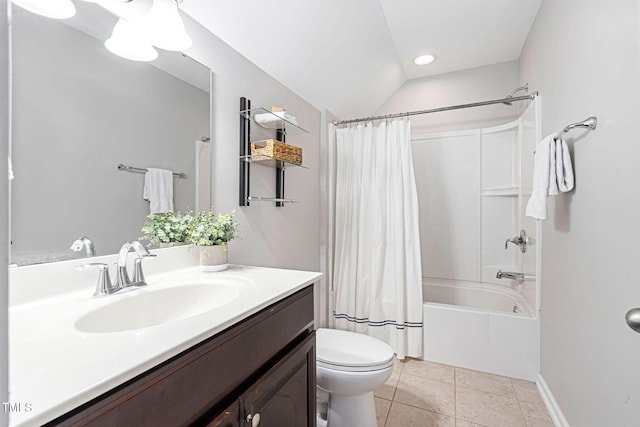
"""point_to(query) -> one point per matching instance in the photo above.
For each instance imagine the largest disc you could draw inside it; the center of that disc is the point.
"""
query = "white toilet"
(349, 367)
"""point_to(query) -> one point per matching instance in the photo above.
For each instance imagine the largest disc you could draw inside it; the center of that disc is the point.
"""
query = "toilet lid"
(351, 351)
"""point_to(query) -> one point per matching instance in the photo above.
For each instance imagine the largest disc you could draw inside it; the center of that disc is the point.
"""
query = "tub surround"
(54, 368)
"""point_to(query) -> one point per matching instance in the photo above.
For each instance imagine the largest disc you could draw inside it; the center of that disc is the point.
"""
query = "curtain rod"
(508, 100)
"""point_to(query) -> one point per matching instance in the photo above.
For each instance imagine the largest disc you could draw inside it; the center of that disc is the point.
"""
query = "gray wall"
(78, 111)
(583, 57)
(287, 237)
(4, 207)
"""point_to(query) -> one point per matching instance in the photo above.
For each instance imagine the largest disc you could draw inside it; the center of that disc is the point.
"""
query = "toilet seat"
(350, 351)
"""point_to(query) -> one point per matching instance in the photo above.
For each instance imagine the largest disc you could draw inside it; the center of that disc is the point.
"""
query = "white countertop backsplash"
(54, 368)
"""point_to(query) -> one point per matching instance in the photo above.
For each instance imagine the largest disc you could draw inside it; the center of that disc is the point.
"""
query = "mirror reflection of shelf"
(270, 199)
(270, 161)
(270, 120)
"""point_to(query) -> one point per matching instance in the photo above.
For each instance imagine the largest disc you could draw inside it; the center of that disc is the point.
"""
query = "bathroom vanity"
(262, 367)
(248, 361)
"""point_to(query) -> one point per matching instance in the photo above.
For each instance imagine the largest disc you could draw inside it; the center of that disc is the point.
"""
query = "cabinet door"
(286, 394)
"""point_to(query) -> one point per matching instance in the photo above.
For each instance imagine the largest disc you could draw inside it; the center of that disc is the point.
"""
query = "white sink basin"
(148, 307)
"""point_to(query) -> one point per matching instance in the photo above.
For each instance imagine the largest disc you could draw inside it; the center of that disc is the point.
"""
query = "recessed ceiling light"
(424, 59)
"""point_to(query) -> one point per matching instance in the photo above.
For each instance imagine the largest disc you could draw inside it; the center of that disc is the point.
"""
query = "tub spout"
(510, 275)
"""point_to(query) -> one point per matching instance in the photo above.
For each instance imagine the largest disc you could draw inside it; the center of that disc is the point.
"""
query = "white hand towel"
(564, 168)
(158, 190)
(544, 178)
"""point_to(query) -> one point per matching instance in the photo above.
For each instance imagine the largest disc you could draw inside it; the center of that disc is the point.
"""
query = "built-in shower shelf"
(500, 192)
(505, 191)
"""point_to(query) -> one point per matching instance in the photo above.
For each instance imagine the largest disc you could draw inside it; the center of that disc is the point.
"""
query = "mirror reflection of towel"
(158, 190)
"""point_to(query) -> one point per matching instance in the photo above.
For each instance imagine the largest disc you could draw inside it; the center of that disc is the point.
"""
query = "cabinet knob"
(254, 419)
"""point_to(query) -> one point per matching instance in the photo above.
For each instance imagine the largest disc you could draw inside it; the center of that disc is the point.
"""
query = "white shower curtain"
(377, 270)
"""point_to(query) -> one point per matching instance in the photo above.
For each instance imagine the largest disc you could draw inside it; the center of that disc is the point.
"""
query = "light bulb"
(424, 59)
(164, 27)
(128, 42)
(56, 9)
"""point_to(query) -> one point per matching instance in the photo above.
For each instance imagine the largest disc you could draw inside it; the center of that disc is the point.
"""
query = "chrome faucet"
(122, 277)
(84, 243)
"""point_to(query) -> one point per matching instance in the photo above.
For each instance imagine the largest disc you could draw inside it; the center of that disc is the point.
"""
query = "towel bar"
(142, 170)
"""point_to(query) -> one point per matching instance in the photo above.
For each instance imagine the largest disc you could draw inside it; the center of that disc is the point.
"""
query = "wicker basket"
(277, 150)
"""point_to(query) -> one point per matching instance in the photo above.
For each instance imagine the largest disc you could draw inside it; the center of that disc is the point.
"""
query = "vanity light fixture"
(424, 59)
(129, 42)
(164, 27)
(56, 9)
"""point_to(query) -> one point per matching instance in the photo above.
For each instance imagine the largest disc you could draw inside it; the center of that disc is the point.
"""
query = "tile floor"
(427, 394)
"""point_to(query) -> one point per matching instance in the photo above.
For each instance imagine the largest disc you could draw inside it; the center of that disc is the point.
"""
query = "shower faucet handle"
(522, 240)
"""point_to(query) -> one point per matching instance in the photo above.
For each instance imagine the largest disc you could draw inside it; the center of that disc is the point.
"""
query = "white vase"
(213, 258)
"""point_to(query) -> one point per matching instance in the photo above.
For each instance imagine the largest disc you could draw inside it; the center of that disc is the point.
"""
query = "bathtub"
(481, 326)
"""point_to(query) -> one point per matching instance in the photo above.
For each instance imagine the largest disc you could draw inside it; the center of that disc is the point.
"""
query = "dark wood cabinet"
(263, 365)
(280, 397)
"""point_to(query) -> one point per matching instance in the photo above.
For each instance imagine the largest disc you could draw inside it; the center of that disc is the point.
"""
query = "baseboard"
(550, 402)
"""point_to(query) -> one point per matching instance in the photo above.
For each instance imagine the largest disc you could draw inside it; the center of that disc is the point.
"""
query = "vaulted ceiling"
(350, 56)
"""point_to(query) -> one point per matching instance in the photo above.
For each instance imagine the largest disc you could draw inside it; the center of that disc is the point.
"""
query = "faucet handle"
(522, 240)
(104, 286)
(138, 275)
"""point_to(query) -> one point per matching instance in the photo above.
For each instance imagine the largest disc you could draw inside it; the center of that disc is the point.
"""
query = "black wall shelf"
(283, 125)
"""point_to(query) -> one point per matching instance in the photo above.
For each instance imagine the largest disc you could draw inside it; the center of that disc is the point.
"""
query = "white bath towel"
(158, 190)
(544, 179)
(552, 173)
(564, 168)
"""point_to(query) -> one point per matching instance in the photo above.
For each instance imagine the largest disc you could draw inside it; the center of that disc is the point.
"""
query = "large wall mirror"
(77, 112)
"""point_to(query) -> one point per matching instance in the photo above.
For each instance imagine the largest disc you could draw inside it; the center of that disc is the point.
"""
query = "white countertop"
(54, 368)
